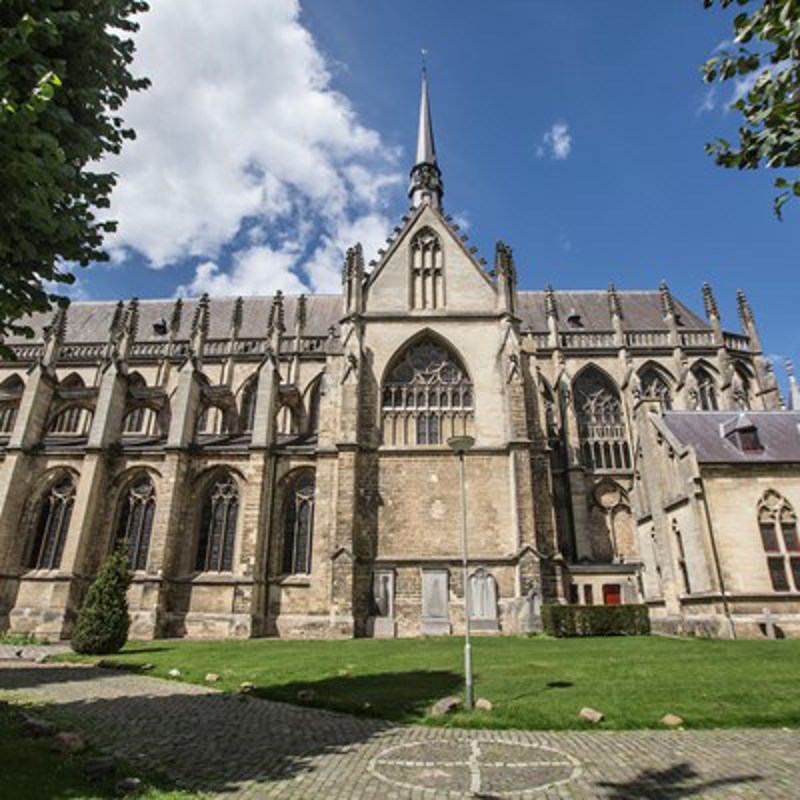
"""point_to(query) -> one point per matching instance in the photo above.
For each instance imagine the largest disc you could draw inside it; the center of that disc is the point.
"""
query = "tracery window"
(655, 387)
(298, 524)
(52, 526)
(427, 273)
(706, 389)
(601, 423)
(777, 523)
(135, 521)
(10, 394)
(427, 396)
(218, 519)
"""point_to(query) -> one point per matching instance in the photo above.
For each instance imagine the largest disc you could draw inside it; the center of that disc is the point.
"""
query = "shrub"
(102, 624)
(621, 620)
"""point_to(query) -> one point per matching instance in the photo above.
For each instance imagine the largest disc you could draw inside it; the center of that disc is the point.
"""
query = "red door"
(612, 595)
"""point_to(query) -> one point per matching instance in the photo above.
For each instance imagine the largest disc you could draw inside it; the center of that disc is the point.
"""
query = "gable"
(453, 282)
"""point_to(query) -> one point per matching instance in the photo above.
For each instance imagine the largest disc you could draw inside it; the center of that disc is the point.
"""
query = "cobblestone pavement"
(246, 748)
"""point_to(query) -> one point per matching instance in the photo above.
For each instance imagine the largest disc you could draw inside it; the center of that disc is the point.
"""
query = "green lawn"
(534, 683)
(31, 770)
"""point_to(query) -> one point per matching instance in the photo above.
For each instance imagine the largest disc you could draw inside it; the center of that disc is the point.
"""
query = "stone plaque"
(435, 611)
(383, 593)
(381, 624)
(483, 600)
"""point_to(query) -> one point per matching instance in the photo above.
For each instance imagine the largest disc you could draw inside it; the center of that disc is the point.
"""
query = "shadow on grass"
(677, 781)
(396, 696)
(13, 675)
(214, 742)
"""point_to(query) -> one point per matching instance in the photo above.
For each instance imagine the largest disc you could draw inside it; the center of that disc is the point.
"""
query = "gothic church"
(279, 466)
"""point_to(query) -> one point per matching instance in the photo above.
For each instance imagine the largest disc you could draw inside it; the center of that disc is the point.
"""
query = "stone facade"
(279, 466)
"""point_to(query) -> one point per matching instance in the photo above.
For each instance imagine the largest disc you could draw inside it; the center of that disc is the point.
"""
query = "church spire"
(426, 178)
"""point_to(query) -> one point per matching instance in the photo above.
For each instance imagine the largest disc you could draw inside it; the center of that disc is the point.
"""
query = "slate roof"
(641, 310)
(778, 432)
(90, 321)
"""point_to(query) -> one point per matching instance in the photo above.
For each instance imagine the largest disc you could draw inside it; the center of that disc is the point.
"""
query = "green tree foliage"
(64, 75)
(102, 624)
(767, 51)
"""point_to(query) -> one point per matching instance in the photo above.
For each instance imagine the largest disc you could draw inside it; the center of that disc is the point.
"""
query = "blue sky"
(572, 130)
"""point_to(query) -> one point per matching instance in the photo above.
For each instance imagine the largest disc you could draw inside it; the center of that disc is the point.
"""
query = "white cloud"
(709, 101)
(244, 150)
(255, 270)
(324, 266)
(461, 218)
(557, 142)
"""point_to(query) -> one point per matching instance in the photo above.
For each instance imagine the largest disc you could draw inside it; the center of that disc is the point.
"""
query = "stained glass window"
(298, 524)
(52, 527)
(218, 526)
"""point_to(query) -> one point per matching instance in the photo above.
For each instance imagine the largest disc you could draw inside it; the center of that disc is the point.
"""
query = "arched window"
(427, 396)
(212, 421)
(550, 419)
(298, 524)
(427, 273)
(741, 389)
(52, 525)
(72, 421)
(139, 419)
(601, 424)
(247, 405)
(706, 389)
(313, 401)
(777, 524)
(218, 518)
(135, 521)
(655, 387)
(10, 394)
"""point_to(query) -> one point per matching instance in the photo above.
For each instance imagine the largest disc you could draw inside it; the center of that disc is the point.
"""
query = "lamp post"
(460, 445)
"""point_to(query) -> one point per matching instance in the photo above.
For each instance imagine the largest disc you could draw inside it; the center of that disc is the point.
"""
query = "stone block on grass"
(445, 706)
(591, 715)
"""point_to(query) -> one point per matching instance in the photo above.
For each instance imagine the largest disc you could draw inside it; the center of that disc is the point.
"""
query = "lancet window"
(298, 524)
(741, 390)
(313, 400)
(655, 387)
(777, 523)
(52, 525)
(10, 394)
(706, 389)
(218, 520)
(601, 422)
(427, 397)
(247, 405)
(135, 521)
(427, 271)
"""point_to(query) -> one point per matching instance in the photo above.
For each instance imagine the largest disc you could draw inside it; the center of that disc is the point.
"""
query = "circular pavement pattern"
(474, 768)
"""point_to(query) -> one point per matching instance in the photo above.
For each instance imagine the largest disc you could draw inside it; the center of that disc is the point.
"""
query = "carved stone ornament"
(608, 495)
